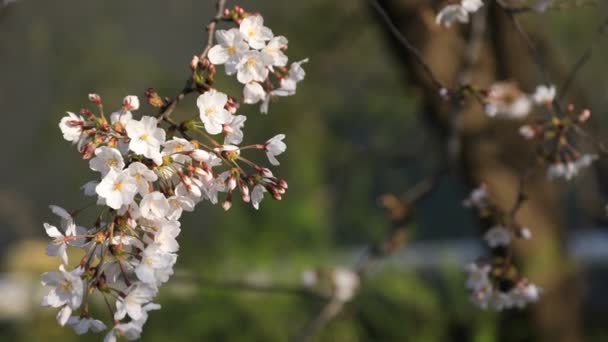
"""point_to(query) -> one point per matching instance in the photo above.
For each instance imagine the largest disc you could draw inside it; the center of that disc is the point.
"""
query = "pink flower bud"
(194, 62)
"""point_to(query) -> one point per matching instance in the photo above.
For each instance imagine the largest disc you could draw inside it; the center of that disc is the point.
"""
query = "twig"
(329, 312)
(189, 87)
(211, 27)
(582, 60)
(530, 45)
(406, 43)
(242, 285)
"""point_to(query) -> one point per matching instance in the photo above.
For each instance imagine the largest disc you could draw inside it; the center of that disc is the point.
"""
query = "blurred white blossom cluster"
(149, 174)
(459, 11)
(495, 282)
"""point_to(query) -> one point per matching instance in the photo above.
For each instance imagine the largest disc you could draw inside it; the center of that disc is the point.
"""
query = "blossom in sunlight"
(275, 146)
(106, 159)
(132, 303)
(146, 137)
(117, 188)
(66, 291)
(252, 67)
(274, 51)
(254, 31)
(212, 112)
(71, 127)
(231, 46)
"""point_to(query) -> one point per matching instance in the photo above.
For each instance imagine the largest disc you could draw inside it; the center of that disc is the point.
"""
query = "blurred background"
(362, 125)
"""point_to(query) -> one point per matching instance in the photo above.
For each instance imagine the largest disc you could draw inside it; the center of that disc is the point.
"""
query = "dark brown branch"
(242, 285)
(582, 60)
(406, 44)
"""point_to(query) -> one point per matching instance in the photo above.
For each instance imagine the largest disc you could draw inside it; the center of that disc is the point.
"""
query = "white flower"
(148, 307)
(257, 195)
(252, 67)
(156, 265)
(451, 14)
(67, 221)
(122, 117)
(106, 158)
(229, 49)
(71, 127)
(274, 51)
(82, 325)
(253, 92)
(544, 94)
(58, 247)
(212, 112)
(458, 12)
(177, 145)
(143, 176)
(478, 198)
(498, 236)
(130, 331)
(295, 75)
(146, 137)
(471, 6)
(131, 304)
(130, 102)
(478, 277)
(154, 206)
(234, 130)
(506, 99)
(570, 169)
(345, 284)
(117, 189)
(274, 147)
(67, 288)
(166, 234)
(254, 31)
(178, 205)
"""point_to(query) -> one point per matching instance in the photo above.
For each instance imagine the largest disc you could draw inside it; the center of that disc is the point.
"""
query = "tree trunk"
(492, 150)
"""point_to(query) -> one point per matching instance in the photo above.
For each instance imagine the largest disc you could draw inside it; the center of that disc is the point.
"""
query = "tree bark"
(492, 150)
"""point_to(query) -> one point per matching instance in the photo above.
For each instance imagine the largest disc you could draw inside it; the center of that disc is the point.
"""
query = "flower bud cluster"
(556, 138)
(495, 282)
(148, 176)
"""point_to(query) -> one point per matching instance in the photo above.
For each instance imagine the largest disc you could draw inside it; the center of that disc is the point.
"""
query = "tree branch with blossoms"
(149, 176)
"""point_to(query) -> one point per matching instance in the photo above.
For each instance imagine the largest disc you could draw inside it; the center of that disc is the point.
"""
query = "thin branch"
(211, 27)
(329, 312)
(582, 60)
(243, 285)
(529, 44)
(406, 43)
(189, 87)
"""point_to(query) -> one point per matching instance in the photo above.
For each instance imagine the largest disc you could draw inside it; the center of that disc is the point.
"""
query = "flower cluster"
(557, 136)
(506, 99)
(258, 59)
(496, 282)
(148, 175)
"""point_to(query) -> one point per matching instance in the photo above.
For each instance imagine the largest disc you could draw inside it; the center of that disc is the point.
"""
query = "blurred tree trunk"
(492, 150)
